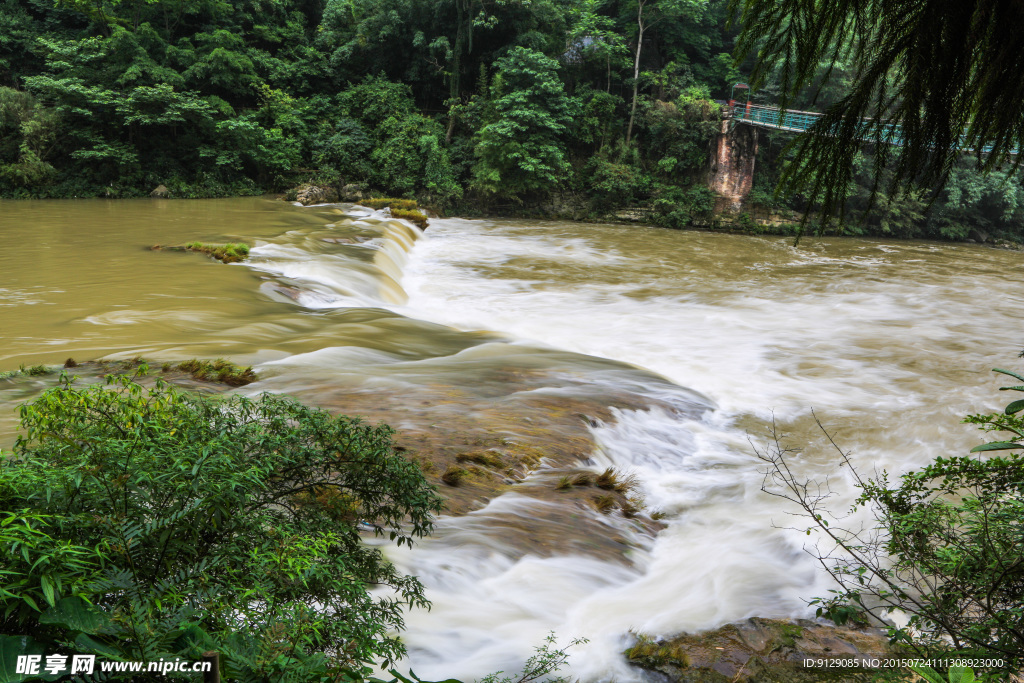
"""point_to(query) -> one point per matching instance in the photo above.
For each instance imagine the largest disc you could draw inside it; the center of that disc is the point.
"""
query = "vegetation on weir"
(231, 252)
(572, 108)
(218, 370)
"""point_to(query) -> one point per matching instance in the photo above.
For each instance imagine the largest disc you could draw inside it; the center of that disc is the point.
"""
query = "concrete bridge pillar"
(732, 165)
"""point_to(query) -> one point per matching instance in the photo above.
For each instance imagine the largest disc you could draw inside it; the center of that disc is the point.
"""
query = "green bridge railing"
(800, 121)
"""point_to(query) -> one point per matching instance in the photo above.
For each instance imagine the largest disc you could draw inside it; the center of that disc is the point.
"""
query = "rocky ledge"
(763, 651)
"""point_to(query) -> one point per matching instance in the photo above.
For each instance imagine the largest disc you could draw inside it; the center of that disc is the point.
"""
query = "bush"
(947, 550)
(148, 523)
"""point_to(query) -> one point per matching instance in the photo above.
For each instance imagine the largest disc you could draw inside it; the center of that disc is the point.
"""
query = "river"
(681, 347)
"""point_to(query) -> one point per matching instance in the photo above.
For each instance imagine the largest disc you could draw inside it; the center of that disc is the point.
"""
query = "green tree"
(148, 523)
(650, 13)
(520, 148)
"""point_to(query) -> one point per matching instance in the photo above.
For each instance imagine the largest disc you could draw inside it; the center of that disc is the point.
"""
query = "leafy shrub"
(616, 184)
(946, 550)
(148, 523)
(678, 207)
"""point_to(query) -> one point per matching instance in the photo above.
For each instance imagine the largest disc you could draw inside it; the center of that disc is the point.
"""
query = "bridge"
(772, 118)
(793, 120)
(734, 152)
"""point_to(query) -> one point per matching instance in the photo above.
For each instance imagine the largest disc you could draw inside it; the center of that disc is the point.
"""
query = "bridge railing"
(800, 121)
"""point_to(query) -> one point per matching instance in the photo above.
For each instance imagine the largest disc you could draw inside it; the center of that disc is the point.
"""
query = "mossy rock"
(218, 370)
(232, 252)
(761, 651)
(406, 209)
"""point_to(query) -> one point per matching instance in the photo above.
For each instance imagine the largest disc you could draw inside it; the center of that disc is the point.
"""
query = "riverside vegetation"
(572, 108)
(146, 523)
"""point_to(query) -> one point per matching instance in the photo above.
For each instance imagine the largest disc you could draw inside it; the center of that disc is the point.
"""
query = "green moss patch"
(417, 217)
(390, 202)
(232, 252)
(400, 208)
(218, 370)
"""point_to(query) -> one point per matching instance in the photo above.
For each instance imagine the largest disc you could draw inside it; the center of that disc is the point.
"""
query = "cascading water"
(696, 339)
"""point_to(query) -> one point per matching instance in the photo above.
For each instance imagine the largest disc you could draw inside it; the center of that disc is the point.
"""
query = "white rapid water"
(887, 343)
(870, 336)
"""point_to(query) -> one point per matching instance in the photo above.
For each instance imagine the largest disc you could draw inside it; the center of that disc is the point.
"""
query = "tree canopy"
(947, 72)
(415, 99)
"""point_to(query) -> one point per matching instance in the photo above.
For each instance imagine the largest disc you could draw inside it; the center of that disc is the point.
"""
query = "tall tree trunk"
(636, 67)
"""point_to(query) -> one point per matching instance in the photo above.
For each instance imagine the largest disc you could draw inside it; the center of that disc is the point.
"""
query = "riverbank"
(719, 217)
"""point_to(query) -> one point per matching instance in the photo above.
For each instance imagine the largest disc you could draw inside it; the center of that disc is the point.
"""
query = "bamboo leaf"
(1007, 372)
(996, 446)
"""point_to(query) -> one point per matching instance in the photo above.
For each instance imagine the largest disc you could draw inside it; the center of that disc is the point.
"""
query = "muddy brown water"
(523, 350)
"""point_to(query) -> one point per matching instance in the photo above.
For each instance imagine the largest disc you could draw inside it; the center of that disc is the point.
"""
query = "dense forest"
(573, 108)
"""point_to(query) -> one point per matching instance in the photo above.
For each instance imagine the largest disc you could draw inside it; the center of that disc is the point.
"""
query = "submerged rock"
(765, 650)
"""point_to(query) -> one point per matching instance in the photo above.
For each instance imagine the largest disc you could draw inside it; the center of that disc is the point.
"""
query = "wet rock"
(353, 192)
(315, 194)
(634, 215)
(161, 192)
(979, 235)
(763, 650)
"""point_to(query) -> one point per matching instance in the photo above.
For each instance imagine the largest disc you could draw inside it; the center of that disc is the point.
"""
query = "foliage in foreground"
(947, 548)
(141, 524)
(934, 71)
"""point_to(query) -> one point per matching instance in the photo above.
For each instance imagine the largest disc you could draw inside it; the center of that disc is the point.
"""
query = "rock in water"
(161, 191)
(353, 192)
(316, 194)
(765, 651)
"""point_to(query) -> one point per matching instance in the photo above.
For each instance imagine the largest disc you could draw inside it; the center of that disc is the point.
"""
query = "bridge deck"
(796, 121)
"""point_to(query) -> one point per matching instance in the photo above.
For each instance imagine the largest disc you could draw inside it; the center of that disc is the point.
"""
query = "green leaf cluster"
(148, 523)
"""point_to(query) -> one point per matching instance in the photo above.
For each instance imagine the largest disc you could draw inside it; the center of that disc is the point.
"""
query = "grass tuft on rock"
(22, 371)
(400, 208)
(611, 480)
(218, 370)
(453, 476)
(232, 252)
(416, 217)
(390, 202)
(605, 503)
(648, 652)
(583, 479)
